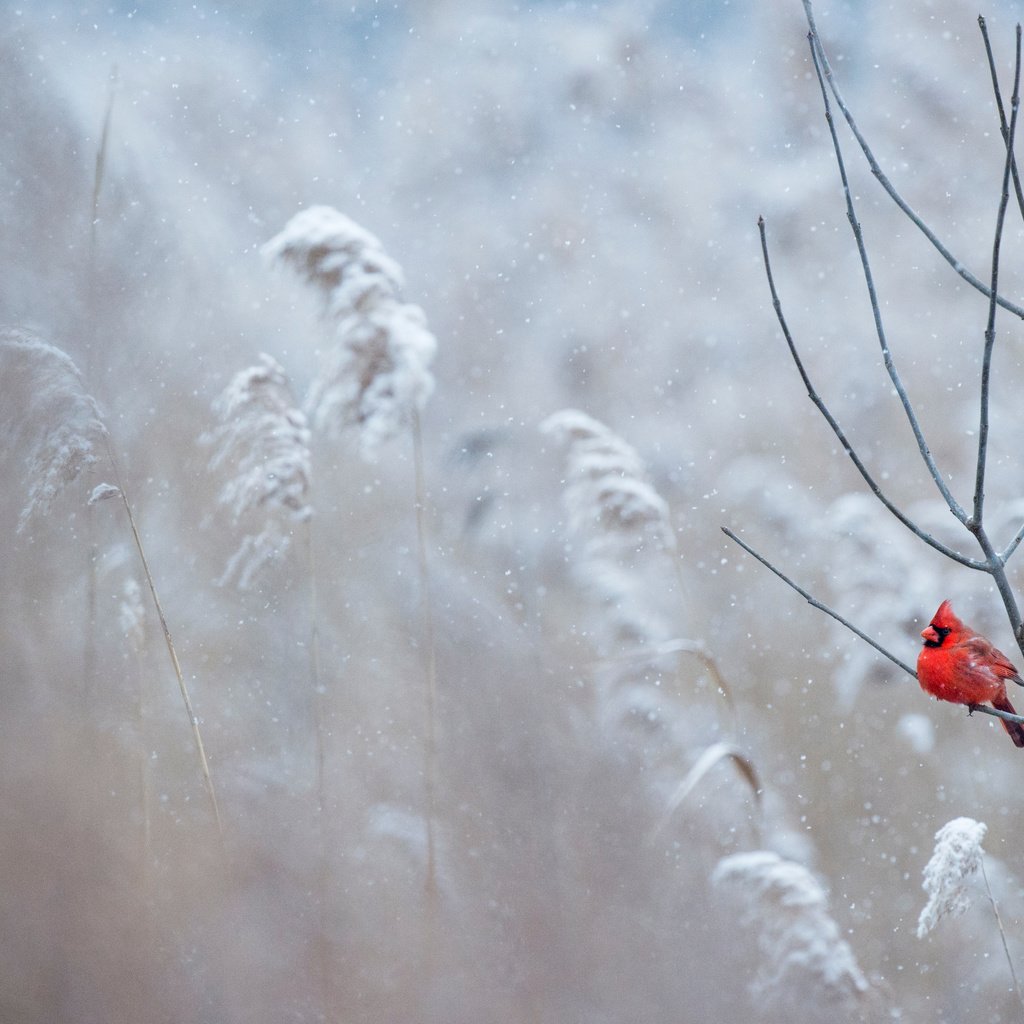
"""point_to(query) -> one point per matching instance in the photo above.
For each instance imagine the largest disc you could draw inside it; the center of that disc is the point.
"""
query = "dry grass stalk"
(709, 759)
(643, 655)
(101, 493)
(375, 380)
(47, 410)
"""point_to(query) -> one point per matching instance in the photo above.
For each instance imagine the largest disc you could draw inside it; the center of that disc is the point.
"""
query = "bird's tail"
(1015, 729)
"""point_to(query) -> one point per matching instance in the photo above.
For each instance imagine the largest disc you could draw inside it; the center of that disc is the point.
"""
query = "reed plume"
(47, 410)
(374, 380)
(378, 375)
(801, 947)
(955, 861)
(607, 495)
(264, 440)
(619, 521)
(48, 414)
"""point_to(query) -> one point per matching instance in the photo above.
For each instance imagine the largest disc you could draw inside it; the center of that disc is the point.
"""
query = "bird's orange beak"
(929, 635)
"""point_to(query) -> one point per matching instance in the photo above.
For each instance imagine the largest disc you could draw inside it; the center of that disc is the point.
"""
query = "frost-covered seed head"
(954, 862)
(802, 949)
(46, 413)
(607, 495)
(378, 375)
(264, 440)
(337, 257)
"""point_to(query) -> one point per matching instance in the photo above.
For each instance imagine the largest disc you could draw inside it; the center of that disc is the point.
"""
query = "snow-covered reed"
(264, 441)
(46, 413)
(616, 520)
(374, 380)
(49, 414)
(954, 863)
(377, 376)
(803, 953)
(608, 498)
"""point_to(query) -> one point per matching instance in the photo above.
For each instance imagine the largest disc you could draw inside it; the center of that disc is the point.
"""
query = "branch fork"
(993, 562)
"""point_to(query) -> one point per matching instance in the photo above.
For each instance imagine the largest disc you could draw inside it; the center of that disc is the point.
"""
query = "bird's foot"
(971, 708)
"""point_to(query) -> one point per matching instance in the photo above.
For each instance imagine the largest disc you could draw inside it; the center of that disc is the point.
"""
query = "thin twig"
(819, 403)
(990, 328)
(1003, 128)
(886, 184)
(887, 359)
(976, 523)
(997, 570)
(1008, 551)
(995, 713)
(821, 606)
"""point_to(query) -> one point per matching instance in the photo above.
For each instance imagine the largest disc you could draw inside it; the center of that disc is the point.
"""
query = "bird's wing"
(983, 655)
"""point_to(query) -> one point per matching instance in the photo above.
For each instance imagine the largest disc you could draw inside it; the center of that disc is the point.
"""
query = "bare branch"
(890, 366)
(1008, 551)
(1003, 128)
(994, 563)
(877, 171)
(838, 430)
(976, 523)
(995, 712)
(821, 606)
(815, 603)
(997, 570)
(990, 329)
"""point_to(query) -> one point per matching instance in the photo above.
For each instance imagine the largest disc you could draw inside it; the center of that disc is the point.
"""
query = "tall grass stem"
(204, 764)
(323, 954)
(1002, 936)
(429, 653)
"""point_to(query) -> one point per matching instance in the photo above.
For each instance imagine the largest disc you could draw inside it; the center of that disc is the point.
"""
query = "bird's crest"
(946, 619)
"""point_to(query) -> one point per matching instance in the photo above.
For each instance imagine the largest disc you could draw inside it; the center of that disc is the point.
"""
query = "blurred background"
(572, 191)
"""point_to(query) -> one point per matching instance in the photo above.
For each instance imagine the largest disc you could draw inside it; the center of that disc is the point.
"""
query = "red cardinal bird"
(959, 665)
